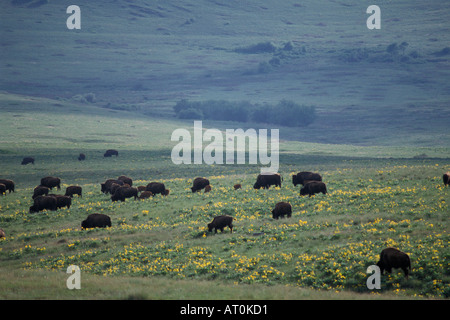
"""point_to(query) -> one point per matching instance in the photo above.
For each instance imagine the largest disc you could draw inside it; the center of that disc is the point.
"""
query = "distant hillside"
(387, 86)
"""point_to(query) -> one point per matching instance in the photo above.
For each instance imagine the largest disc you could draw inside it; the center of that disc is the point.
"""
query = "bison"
(71, 190)
(111, 152)
(141, 188)
(313, 187)
(10, 186)
(43, 203)
(81, 157)
(304, 177)
(266, 180)
(446, 178)
(145, 195)
(2, 189)
(123, 192)
(27, 160)
(394, 258)
(51, 182)
(62, 201)
(126, 180)
(199, 184)
(281, 209)
(106, 187)
(157, 187)
(40, 191)
(96, 220)
(220, 222)
(207, 188)
(237, 186)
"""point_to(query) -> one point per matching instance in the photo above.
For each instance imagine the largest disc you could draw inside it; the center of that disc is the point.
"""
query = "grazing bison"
(266, 180)
(237, 186)
(2, 189)
(446, 178)
(220, 222)
(199, 183)
(27, 160)
(157, 187)
(81, 157)
(9, 184)
(141, 188)
(126, 180)
(123, 192)
(43, 203)
(145, 195)
(111, 152)
(40, 191)
(281, 209)
(71, 190)
(96, 220)
(51, 182)
(207, 188)
(106, 187)
(304, 177)
(394, 258)
(62, 201)
(313, 187)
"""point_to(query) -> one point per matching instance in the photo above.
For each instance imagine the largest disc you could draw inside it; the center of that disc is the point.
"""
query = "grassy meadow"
(379, 140)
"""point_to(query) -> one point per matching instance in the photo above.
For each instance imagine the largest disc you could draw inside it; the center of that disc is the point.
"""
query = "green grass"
(379, 140)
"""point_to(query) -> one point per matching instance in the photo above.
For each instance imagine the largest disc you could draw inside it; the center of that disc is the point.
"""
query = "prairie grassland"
(327, 244)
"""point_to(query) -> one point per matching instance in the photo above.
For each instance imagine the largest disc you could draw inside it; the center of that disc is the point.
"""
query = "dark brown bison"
(123, 193)
(281, 209)
(237, 186)
(265, 180)
(10, 186)
(220, 222)
(126, 180)
(313, 187)
(304, 177)
(2, 189)
(43, 203)
(141, 188)
(40, 191)
(62, 201)
(96, 220)
(51, 182)
(446, 178)
(106, 186)
(81, 157)
(71, 190)
(157, 187)
(111, 152)
(394, 258)
(145, 195)
(199, 184)
(27, 160)
(207, 188)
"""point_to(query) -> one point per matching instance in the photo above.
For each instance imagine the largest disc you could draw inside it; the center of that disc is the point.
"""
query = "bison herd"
(122, 188)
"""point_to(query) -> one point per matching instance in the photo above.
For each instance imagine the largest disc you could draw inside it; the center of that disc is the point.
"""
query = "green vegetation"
(285, 113)
(378, 134)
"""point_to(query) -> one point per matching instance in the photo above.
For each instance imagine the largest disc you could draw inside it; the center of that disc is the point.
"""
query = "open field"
(380, 141)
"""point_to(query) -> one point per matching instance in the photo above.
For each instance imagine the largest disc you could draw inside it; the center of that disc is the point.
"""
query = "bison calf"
(281, 209)
(145, 195)
(394, 258)
(96, 220)
(220, 222)
(2, 189)
(237, 186)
